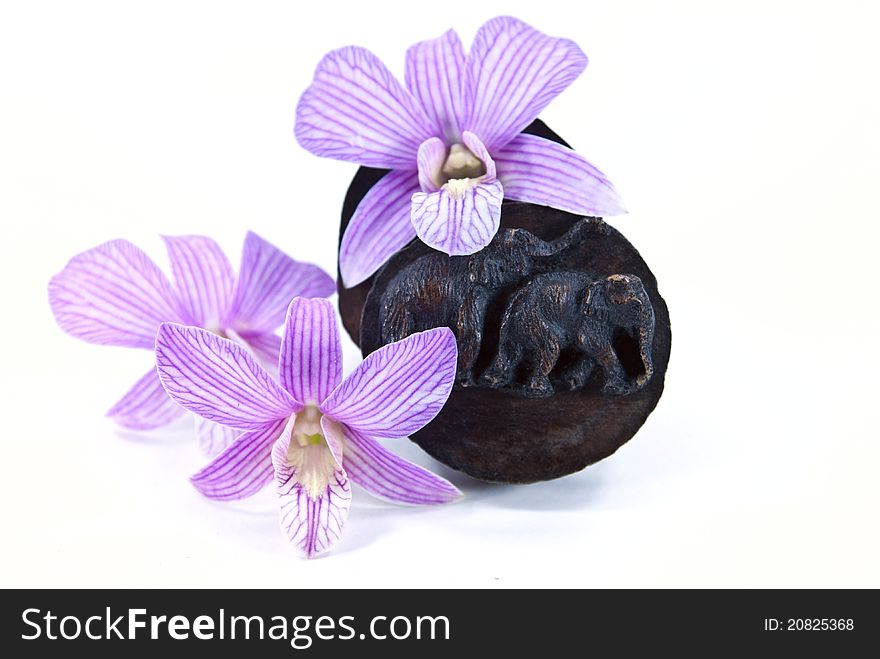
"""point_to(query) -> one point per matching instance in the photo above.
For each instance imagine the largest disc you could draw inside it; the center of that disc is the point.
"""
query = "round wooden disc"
(500, 436)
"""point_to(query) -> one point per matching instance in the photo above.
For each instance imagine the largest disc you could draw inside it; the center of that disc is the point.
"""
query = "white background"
(744, 138)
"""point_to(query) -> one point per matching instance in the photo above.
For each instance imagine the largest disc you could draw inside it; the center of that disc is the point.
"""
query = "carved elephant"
(439, 291)
(559, 327)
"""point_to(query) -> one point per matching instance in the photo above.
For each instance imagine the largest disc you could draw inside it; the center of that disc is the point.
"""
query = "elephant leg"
(503, 368)
(577, 373)
(469, 325)
(545, 359)
(616, 380)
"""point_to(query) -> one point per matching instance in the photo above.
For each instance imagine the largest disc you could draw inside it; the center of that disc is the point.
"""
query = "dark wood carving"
(563, 339)
(556, 327)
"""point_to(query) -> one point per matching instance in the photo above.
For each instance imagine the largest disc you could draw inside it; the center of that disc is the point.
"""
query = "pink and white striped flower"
(312, 430)
(452, 138)
(116, 295)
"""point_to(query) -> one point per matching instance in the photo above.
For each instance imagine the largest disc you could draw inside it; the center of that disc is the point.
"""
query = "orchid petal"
(203, 277)
(267, 281)
(430, 159)
(334, 435)
(379, 227)
(213, 437)
(356, 111)
(113, 295)
(218, 379)
(266, 347)
(243, 468)
(311, 352)
(458, 220)
(398, 388)
(314, 493)
(475, 145)
(435, 74)
(391, 478)
(146, 405)
(514, 72)
(542, 172)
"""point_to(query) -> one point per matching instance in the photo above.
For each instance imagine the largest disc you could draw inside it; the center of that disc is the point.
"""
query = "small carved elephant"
(558, 327)
(439, 291)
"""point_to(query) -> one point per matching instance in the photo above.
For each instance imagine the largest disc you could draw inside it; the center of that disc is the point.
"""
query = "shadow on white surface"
(574, 492)
(373, 520)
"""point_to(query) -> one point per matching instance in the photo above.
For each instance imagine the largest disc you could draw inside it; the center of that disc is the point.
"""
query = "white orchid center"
(309, 454)
(461, 171)
(461, 163)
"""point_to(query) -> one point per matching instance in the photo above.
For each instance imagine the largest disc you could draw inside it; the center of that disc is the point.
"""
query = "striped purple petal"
(430, 159)
(334, 435)
(213, 437)
(391, 478)
(461, 218)
(243, 468)
(311, 352)
(267, 281)
(399, 388)
(219, 379)
(514, 72)
(435, 74)
(113, 295)
(146, 405)
(379, 227)
(542, 172)
(355, 110)
(203, 277)
(314, 494)
(476, 146)
(267, 348)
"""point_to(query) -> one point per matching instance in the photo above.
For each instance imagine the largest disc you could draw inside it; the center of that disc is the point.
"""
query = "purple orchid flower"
(313, 431)
(452, 138)
(116, 295)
